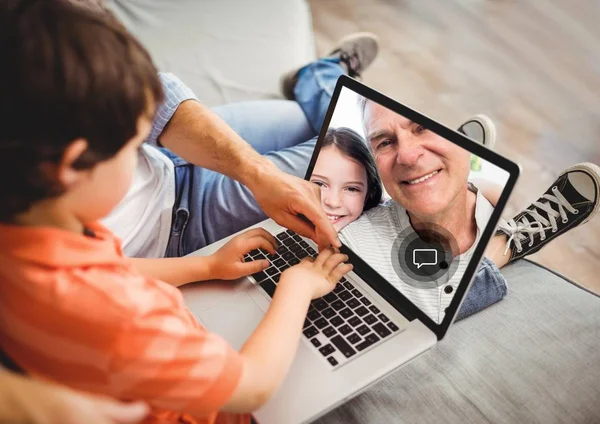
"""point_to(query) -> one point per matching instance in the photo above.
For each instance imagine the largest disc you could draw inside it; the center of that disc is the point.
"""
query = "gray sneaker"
(356, 52)
(481, 129)
(572, 200)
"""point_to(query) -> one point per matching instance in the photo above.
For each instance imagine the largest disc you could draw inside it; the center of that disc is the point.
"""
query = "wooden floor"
(532, 66)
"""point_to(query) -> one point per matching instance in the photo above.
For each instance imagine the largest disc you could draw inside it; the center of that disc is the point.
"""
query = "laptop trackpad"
(234, 319)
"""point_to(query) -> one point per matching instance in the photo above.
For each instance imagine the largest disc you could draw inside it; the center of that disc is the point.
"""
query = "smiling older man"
(426, 177)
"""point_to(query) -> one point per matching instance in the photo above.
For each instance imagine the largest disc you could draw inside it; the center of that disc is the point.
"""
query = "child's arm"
(268, 353)
(225, 264)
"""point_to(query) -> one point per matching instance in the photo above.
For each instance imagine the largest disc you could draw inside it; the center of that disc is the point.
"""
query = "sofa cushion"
(224, 50)
(532, 357)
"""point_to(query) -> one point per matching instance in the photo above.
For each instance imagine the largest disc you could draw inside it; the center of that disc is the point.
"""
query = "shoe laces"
(352, 61)
(523, 229)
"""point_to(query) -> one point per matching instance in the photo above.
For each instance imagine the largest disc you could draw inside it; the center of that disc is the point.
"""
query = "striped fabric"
(74, 310)
(372, 237)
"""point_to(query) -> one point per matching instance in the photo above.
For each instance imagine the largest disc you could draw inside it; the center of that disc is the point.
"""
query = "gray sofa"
(533, 357)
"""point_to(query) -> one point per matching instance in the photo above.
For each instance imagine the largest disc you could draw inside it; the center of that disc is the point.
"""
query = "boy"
(77, 94)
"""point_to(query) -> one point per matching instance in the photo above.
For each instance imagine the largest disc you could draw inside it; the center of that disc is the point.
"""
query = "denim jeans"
(210, 206)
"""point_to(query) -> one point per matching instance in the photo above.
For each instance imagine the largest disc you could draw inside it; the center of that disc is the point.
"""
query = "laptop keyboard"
(340, 324)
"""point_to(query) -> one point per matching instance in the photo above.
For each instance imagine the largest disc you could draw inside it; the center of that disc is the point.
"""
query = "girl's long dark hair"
(351, 144)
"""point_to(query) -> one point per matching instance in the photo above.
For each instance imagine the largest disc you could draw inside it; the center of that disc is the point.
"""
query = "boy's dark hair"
(351, 144)
(68, 72)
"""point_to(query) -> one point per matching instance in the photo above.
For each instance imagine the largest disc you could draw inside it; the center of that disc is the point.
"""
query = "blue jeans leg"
(210, 206)
(489, 287)
(313, 91)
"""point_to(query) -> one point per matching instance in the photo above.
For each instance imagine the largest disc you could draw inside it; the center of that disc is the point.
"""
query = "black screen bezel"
(368, 274)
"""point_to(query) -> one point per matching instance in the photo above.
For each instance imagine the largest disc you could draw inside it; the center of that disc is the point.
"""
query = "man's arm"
(199, 136)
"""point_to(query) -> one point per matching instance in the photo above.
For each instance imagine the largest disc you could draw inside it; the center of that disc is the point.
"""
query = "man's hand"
(227, 263)
(284, 198)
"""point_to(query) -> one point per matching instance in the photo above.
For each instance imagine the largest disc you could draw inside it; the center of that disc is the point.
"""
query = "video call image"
(409, 202)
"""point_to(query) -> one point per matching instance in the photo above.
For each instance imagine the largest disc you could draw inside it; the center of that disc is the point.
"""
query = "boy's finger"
(259, 242)
(323, 256)
(333, 261)
(253, 267)
(340, 271)
(262, 233)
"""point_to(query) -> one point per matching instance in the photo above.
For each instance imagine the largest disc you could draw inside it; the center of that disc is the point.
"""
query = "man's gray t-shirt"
(372, 237)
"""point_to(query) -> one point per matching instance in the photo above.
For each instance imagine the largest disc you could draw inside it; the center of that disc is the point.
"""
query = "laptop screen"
(408, 201)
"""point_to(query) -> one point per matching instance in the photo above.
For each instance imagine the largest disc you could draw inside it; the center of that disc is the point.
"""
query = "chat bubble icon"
(422, 257)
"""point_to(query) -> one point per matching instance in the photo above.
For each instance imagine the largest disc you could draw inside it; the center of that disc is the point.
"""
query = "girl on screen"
(347, 175)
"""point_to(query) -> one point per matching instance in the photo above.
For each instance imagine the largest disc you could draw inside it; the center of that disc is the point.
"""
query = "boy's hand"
(227, 263)
(322, 273)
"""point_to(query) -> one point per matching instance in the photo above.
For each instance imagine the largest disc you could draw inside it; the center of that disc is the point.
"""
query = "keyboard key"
(291, 233)
(372, 338)
(330, 297)
(346, 313)
(392, 326)
(303, 244)
(354, 321)
(319, 304)
(362, 311)
(332, 361)
(336, 321)
(259, 276)
(313, 315)
(289, 241)
(326, 350)
(345, 329)
(295, 247)
(288, 255)
(276, 278)
(254, 252)
(306, 323)
(272, 257)
(353, 303)
(343, 346)
(328, 313)
(321, 323)
(272, 271)
(297, 238)
(315, 342)
(343, 280)
(301, 254)
(362, 330)
(364, 345)
(338, 288)
(354, 338)
(312, 252)
(281, 250)
(381, 330)
(365, 301)
(279, 263)
(282, 236)
(370, 319)
(294, 261)
(348, 285)
(310, 332)
(356, 293)
(374, 309)
(284, 267)
(329, 331)
(269, 286)
(345, 295)
(338, 304)
(383, 318)
(259, 257)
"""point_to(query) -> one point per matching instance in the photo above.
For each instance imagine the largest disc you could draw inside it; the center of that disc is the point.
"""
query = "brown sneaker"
(356, 52)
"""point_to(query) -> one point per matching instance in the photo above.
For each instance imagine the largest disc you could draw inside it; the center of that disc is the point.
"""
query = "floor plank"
(533, 67)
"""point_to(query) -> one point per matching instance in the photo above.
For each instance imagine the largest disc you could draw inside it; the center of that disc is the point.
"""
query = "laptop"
(374, 321)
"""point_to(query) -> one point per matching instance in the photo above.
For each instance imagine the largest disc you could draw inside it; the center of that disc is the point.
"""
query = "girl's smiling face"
(343, 183)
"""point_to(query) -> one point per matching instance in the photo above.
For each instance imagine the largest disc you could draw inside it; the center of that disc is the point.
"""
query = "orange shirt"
(74, 310)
